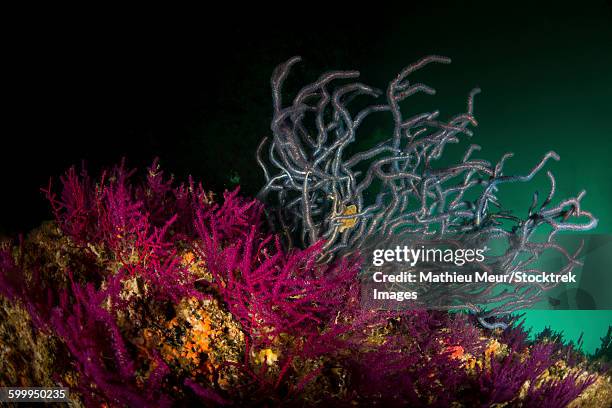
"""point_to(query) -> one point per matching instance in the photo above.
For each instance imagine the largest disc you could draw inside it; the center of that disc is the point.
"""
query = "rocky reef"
(145, 293)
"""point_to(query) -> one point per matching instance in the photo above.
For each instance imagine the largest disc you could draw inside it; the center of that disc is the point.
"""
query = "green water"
(592, 324)
(546, 79)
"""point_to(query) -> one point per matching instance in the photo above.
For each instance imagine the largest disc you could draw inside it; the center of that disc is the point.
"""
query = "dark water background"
(100, 85)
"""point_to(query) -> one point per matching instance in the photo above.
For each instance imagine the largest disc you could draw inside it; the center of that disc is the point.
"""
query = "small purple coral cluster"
(151, 294)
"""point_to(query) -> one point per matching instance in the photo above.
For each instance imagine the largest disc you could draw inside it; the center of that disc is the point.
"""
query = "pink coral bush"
(131, 252)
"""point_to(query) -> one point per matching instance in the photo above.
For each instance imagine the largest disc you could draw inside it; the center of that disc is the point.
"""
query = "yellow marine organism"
(267, 356)
(346, 223)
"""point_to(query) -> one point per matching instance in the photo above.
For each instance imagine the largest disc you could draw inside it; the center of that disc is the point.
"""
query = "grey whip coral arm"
(318, 188)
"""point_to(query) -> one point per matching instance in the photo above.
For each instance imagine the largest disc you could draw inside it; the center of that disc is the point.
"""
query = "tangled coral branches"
(269, 290)
(291, 307)
(114, 210)
(136, 245)
(322, 185)
(129, 235)
(318, 187)
(154, 295)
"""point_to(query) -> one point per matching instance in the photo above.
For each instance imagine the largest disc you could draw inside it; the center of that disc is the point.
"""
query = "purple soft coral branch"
(206, 394)
(77, 324)
(293, 282)
(269, 290)
(558, 393)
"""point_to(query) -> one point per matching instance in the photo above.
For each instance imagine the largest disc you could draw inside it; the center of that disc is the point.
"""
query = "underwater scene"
(411, 209)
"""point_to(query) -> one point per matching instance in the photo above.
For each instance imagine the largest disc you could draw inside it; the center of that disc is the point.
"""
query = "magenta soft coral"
(264, 286)
(289, 305)
(94, 340)
(272, 292)
(267, 289)
(133, 230)
(138, 224)
(114, 207)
